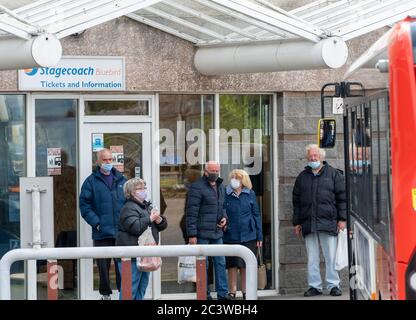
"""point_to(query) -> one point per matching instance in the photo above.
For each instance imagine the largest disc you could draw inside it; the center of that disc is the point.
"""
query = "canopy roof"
(207, 22)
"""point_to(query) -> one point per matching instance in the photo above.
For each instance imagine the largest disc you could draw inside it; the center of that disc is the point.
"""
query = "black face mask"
(212, 177)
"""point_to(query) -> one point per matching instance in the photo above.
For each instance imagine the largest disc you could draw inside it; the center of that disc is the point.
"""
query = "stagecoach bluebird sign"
(76, 74)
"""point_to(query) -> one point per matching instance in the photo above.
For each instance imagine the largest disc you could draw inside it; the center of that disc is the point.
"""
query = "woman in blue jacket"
(244, 225)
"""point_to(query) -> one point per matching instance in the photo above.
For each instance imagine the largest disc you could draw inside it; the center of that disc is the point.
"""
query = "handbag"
(261, 271)
(147, 264)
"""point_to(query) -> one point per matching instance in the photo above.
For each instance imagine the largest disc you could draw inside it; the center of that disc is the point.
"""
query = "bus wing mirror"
(326, 133)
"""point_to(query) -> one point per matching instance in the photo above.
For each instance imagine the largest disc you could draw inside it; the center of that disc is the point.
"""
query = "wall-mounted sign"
(97, 142)
(54, 161)
(80, 73)
(118, 157)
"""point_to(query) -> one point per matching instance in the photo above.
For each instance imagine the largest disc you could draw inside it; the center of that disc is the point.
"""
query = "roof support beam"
(378, 21)
(258, 23)
(9, 27)
(185, 23)
(280, 56)
(352, 18)
(276, 19)
(207, 18)
(164, 28)
(97, 16)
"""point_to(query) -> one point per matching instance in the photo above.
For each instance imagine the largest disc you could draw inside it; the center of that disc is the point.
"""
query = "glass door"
(130, 144)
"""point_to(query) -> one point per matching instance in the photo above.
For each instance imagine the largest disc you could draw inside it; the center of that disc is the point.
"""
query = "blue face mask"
(314, 164)
(107, 167)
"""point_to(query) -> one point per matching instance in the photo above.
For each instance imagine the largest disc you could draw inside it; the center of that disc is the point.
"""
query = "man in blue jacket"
(100, 202)
(206, 219)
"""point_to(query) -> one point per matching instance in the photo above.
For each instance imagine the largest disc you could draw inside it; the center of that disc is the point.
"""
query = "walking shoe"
(231, 296)
(336, 292)
(106, 297)
(226, 297)
(311, 292)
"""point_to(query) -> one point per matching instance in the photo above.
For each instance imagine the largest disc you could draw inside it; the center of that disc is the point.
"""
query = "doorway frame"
(30, 141)
(83, 121)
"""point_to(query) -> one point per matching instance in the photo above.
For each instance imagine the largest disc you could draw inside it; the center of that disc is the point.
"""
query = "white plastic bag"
(148, 264)
(341, 259)
(187, 269)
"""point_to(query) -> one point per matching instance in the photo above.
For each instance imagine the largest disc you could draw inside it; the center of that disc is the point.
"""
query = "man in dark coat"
(206, 219)
(319, 212)
(100, 201)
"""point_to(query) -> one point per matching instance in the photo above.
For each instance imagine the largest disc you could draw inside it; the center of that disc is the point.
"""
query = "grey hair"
(131, 185)
(100, 153)
(322, 152)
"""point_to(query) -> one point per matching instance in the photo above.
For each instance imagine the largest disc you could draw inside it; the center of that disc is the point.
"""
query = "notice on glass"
(54, 162)
(118, 157)
(97, 142)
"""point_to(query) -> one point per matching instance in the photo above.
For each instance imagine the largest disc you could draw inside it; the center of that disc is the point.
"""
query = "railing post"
(126, 281)
(53, 281)
(201, 278)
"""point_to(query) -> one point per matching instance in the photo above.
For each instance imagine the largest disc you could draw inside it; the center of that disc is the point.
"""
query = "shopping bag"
(148, 264)
(186, 269)
(341, 259)
(261, 271)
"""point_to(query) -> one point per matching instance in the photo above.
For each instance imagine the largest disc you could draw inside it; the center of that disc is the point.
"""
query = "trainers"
(106, 297)
(336, 292)
(311, 292)
(226, 297)
(231, 296)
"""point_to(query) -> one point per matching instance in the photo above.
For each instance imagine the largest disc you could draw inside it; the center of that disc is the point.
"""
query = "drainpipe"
(44, 50)
(270, 57)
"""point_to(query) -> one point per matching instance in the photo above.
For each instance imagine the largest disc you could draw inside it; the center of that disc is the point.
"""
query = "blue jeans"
(221, 282)
(140, 281)
(329, 249)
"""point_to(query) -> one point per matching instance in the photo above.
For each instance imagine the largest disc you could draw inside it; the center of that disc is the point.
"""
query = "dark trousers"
(104, 268)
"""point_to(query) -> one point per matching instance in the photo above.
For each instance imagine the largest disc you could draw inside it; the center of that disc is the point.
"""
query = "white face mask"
(235, 183)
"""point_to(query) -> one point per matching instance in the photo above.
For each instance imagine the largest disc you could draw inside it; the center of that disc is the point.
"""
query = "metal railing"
(129, 252)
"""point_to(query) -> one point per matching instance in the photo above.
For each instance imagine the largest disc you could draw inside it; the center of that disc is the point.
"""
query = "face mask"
(141, 195)
(212, 177)
(107, 167)
(314, 164)
(235, 183)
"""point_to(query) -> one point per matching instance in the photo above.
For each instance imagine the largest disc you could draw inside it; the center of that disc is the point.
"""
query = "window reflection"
(178, 115)
(250, 117)
(56, 129)
(117, 108)
(12, 166)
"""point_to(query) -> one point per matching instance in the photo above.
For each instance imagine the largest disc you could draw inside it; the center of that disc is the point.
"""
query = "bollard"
(53, 281)
(201, 278)
(126, 281)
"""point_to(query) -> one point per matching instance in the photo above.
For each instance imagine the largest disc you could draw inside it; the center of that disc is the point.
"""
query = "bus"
(380, 173)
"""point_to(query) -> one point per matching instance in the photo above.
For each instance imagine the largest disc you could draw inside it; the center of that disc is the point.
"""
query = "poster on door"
(118, 157)
(97, 142)
(54, 162)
